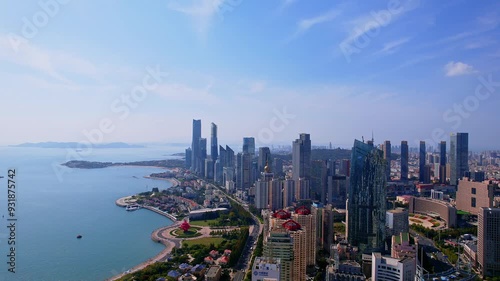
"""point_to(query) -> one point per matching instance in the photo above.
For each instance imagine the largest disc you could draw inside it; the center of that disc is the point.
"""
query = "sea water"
(52, 210)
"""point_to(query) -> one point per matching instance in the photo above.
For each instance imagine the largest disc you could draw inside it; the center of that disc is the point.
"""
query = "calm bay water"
(52, 212)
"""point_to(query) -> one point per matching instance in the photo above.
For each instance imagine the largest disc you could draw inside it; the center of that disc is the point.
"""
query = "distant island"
(74, 145)
(169, 163)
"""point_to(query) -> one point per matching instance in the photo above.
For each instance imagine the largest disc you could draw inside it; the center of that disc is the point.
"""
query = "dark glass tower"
(301, 157)
(442, 162)
(195, 146)
(366, 204)
(421, 162)
(404, 160)
(387, 157)
(459, 156)
(213, 143)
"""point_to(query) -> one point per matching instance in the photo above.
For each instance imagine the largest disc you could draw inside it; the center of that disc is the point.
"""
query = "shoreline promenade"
(156, 235)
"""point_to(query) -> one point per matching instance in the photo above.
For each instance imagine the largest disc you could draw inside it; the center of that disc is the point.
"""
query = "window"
(473, 190)
(473, 202)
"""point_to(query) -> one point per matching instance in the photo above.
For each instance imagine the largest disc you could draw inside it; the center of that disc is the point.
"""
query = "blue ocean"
(52, 210)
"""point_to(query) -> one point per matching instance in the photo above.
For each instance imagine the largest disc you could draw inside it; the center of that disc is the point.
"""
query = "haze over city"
(404, 70)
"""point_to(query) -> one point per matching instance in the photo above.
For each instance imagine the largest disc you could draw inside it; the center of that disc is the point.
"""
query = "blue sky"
(406, 70)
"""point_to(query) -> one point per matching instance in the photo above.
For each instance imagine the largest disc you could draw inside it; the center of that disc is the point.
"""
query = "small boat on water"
(132, 207)
(79, 236)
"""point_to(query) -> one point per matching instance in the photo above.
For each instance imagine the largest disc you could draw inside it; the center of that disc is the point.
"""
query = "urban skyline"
(422, 62)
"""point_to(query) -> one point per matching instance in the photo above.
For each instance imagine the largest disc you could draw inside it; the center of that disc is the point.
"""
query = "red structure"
(302, 210)
(282, 214)
(185, 226)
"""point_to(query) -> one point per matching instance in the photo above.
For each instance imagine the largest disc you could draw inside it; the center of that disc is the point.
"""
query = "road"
(243, 262)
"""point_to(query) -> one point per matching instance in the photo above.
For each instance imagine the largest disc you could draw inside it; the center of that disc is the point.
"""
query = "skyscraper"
(442, 162)
(459, 156)
(301, 157)
(213, 143)
(488, 241)
(280, 245)
(230, 157)
(202, 145)
(222, 156)
(387, 157)
(264, 157)
(366, 204)
(249, 145)
(404, 160)
(421, 161)
(188, 156)
(195, 145)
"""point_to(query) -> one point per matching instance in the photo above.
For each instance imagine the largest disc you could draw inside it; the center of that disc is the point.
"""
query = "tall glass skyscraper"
(366, 204)
(404, 160)
(387, 157)
(421, 162)
(301, 157)
(459, 156)
(249, 145)
(213, 143)
(195, 146)
(442, 162)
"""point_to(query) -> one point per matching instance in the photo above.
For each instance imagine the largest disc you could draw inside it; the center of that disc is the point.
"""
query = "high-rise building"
(397, 221)
(264, 158)
(442, 162)
(288, 192)
(213, 143)
(366, 202)
(345, 167)
(202, 145)
(324, 226)
(230, 162)
(249, 145)
(459, 156)
(336, 193)
(188, 155)
(278, 167)
(300, 247)
(301, 157)
(222, 156)
(387, 268)
(387, 157)
(404, 160)
(263, 188)
(266, 269)
(195, 146)
(421, 162)
(471, 195)
(302, 189)
(488, 241)
(209, 168)
(307, 220)
(279, 245)
(245, 170)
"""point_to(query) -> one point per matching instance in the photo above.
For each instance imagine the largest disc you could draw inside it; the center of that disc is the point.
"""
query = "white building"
(266, 269)
(391, 269)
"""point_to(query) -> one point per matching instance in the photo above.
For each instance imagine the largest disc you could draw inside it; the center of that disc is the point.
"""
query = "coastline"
(155, 235)
(175, 182)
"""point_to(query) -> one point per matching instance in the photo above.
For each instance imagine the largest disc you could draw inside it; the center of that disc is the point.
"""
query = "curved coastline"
(156, 235)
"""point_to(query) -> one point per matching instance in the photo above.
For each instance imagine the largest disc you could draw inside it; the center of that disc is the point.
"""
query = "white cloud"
(202, 12)
(458, 68)
(377, 19)
(306, 24)
(392, 46)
